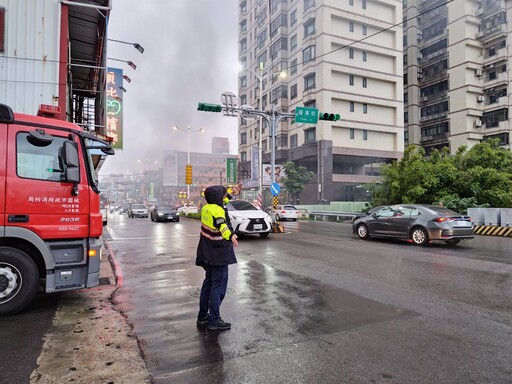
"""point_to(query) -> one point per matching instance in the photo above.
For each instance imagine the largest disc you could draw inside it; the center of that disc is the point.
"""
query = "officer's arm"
(221, 224)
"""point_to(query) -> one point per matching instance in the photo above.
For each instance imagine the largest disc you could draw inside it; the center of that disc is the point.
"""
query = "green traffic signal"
(209, 107)
(328, 116)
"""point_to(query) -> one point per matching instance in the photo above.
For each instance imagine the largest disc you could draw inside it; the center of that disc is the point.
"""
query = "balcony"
(434, 116)
(488, 34)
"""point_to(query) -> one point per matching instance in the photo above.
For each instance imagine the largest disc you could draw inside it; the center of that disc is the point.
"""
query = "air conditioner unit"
(478, 72)
(420, 55)
(420, 36)
(420, 75)
(480, 98)
(478, 123)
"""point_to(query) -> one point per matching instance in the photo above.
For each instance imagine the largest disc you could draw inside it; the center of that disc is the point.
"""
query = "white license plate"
(459, 223)
(258, 226)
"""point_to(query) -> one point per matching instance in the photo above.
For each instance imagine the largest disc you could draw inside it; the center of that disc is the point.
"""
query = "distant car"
(286, 212)
(103, 210)
(417, 223)
(124, 207)
(138, 210)
(246, 219)
(164, 213)
(186, 209)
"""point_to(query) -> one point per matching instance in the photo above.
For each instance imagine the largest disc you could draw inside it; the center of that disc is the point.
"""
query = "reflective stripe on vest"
(210, 233)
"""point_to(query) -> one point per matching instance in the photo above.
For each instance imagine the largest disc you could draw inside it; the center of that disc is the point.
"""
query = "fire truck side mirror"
(71, 163)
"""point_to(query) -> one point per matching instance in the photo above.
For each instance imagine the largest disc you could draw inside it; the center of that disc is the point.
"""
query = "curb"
(491, 230)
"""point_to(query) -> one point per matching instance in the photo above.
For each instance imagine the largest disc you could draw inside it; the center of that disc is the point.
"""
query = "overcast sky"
(190, 55)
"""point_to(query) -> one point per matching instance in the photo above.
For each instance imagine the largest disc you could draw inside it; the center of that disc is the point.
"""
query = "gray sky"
(190, 55)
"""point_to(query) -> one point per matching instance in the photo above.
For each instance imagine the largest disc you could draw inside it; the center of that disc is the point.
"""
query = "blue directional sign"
(275, 189)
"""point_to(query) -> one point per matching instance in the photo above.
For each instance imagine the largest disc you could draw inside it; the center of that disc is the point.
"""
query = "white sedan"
(246, 219)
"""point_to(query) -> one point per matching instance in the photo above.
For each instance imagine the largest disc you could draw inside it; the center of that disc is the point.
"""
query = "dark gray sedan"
(164, 213)
(417, 223)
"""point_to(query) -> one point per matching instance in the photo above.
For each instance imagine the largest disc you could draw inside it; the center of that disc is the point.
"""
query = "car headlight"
(239, 218)
(160, 214)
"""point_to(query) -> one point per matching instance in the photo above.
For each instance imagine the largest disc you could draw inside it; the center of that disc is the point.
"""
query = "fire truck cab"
(50, 219)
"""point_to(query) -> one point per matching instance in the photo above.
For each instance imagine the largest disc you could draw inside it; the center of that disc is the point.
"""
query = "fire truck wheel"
(19, 280)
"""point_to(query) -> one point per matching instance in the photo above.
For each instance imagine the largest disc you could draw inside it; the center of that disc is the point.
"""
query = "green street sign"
(231, 170)
(306, 115)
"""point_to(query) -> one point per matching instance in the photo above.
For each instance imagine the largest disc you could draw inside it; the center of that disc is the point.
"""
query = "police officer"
(215, 252)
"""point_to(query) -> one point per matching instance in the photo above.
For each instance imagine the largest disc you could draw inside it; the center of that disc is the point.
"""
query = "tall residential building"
(456, 75)
(342, 57)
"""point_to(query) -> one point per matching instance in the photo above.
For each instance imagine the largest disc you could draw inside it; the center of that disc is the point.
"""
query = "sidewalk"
(91, 342)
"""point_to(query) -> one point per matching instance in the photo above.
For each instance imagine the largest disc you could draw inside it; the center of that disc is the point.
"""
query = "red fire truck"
(50, 220)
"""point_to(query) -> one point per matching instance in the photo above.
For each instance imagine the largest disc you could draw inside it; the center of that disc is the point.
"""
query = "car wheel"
(278, 218)
(294, 219)
(419, 236)
(19, 280)
(362, 231)
(452, 241)
(265, 234)
(152, 218)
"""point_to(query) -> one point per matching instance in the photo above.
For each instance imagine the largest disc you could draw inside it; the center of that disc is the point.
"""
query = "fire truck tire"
(19, 280)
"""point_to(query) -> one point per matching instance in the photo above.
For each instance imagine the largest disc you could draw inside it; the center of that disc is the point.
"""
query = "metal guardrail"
(338, 216)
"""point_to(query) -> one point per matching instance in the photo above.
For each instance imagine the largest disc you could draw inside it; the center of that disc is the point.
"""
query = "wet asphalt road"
(318, 305)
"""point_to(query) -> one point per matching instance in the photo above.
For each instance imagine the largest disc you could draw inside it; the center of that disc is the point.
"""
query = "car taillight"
(441, 219)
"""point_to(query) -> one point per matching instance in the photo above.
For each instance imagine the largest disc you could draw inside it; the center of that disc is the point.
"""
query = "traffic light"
(188, 174)
(209, 107)
(328, 116)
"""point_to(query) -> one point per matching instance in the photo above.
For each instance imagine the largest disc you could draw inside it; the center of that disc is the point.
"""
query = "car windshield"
(165, 209)
(125, 205)
(138, 206)
(240, 205)
(289, 207)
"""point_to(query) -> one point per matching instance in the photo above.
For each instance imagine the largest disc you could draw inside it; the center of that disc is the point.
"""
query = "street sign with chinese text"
(231, 170)
(114, 117)
(306, 115)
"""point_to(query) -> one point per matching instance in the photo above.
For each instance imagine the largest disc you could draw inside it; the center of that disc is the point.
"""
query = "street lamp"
(261, 76)
(188, 130)
(136, 45)
(130, 63)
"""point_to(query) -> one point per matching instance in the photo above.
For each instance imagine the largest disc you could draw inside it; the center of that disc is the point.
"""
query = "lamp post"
(261, 76)
(136, 45)
(188, 130)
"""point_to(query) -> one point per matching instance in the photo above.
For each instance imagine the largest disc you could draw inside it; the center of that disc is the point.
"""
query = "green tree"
(480, 176)
(295, 180)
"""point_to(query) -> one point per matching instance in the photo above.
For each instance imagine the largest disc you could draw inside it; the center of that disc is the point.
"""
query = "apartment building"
(343, 57)
(456, 76)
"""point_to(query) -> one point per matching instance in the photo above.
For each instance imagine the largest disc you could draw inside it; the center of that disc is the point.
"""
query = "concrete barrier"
(477, 215)
(492, 216)
(506, 217)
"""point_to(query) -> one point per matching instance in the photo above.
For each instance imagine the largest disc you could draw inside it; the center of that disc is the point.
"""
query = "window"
(243, 81)
(2, 29)
(243, 138)
(365, 30)
(352, 133)
(310, 104)
(279, 45)
(364, 4)
(279, 93)
(364, 56)
(293, 17)
(351, 79)
(280, 21)
(309, 27)
(243, 156)
(293, 141)
(41, 163)
(365, 82)
(261, 38)
(365, 108)
(308, 4)
(293, 91)
(243, 99)
(309, 81)
(243, 26)
(365, 134)
(351, 26)
(263, 58)
(351, 106)
(351, 2)
(293, 42)
(243, 44)
(308, 54)
(310, 135)
(243, 7)
(351, 53)
(293, 68)
(264, 145)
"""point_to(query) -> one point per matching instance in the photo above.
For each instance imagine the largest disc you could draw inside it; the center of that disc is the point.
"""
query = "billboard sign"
(115, 107)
